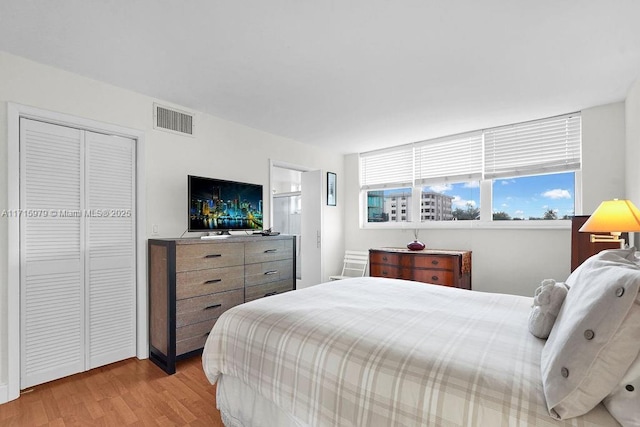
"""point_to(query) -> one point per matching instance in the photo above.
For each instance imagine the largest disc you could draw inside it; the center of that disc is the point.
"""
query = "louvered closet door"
(110, 242)
(77, 254)
(51, 262)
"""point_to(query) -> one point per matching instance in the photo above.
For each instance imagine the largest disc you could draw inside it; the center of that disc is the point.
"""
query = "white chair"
(355, 265)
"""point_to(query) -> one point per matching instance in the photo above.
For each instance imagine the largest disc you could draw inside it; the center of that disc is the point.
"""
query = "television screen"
(219, 205)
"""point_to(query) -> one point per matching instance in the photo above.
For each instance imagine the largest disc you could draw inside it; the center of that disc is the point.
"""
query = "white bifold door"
(77, 250)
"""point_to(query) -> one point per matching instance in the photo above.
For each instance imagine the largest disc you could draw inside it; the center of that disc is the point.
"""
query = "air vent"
(173, 120)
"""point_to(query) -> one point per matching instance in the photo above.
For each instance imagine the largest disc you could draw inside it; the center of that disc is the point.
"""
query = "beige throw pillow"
(596, 336)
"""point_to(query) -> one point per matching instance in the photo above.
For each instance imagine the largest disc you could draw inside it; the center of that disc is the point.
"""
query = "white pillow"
(596, 336)
(624, 401)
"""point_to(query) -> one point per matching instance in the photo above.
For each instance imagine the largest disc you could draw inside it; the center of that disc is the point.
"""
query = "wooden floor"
(132, 393)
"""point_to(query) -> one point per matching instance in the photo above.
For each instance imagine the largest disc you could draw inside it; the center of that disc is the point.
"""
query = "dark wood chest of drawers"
(439, 267)
(193, 281)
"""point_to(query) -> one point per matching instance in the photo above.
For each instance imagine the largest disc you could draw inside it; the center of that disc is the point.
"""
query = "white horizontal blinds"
(452, 159)
(110, 243)
(51, 290)
(543, 146)
(387, 168)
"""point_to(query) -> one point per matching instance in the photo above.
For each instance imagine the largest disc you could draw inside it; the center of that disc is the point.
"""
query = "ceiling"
(344, 75)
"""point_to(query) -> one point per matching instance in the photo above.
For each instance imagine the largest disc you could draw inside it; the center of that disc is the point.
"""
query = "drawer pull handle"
(384, 258)
(434, 262)
(213, 256)
(384, 273)
(270, 250)
(268, 294)
(434, 278)
(213, 306)
(271, 272)
(208, 282)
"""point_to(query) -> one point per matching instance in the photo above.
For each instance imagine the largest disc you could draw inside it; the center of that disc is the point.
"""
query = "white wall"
(632, 124)
(515, 260)
(603, 139)
(220, 149)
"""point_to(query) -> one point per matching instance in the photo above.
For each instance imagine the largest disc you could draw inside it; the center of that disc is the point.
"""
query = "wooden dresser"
(440, 267)
(193, 281)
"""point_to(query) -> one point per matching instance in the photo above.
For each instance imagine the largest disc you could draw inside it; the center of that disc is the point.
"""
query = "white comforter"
(383, 352)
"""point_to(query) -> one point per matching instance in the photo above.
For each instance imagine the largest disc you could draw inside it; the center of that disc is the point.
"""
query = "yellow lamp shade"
(613, 216)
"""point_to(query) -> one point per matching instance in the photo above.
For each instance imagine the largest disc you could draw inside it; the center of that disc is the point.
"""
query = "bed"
(382, 352)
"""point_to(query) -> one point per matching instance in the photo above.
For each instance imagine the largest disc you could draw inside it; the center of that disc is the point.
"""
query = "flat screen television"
(220, 205)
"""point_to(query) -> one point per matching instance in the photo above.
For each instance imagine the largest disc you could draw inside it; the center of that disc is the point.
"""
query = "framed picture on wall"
(331, 189)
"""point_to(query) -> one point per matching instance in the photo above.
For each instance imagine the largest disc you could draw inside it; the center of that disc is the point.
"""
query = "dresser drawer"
(384, 258)
(434, 261)
(437, 277)
(190, 344)
(266, 272)
(200, 329)
(381, 270)
(268, 250)
(192, 337)
(202, 282)
(208, 255)
(267, 289)
(200, 309)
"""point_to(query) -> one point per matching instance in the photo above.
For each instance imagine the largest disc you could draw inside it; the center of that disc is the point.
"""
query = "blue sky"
(522, 197)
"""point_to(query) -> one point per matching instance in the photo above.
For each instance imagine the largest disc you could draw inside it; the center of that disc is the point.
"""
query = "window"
(381, 205)
(545, 197)
(451, 202)
(527, 171)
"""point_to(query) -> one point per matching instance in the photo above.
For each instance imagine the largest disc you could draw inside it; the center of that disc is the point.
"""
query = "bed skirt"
(240, 406)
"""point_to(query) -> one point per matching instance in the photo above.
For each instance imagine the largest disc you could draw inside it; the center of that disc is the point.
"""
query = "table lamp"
(614, 217)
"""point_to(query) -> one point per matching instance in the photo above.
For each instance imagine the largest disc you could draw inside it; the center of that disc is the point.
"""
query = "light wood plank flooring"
(132, 393)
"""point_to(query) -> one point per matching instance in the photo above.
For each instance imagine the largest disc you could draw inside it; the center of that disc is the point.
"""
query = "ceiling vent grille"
(172, 120)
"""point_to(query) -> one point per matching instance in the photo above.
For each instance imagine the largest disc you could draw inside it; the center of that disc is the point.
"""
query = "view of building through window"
(538, 197)
(449, 202)
(443, 202)
(389, 205)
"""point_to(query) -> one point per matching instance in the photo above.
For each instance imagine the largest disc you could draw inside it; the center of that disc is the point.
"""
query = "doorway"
(296, 194)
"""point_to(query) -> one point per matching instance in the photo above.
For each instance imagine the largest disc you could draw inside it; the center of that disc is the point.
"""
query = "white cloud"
(557, 193)
(461, 203)
(519, 213)
(472, 184)
(440, 188)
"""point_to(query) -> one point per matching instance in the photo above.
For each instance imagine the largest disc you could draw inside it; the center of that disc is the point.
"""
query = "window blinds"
(452, 159)
(392, 167)
(543, 146)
